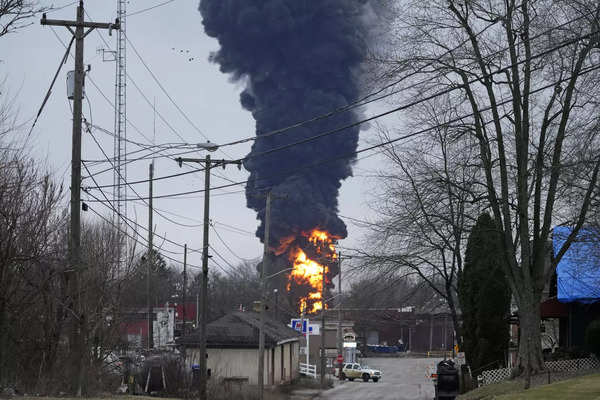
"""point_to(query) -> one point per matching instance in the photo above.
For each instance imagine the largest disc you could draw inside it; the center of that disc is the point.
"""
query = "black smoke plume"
(299, 59)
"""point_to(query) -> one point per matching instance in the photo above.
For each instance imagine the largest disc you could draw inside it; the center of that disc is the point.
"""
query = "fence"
(308, 370)
(502, 374)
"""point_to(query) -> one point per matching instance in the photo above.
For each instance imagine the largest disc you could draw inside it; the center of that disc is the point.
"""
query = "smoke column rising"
(299, 59)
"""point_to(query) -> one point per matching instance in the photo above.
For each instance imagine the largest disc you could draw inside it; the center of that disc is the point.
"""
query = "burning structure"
(298, 59)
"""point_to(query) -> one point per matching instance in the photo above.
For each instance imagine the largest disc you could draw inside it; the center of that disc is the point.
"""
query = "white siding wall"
(244, 363)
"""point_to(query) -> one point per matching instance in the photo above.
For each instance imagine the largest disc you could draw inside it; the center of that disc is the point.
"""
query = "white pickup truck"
(353, 371)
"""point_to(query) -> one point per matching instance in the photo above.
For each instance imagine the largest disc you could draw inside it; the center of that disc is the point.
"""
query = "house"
(574, 295)
(232, 349)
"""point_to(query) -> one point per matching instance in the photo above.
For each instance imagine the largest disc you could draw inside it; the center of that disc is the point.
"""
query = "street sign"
(340, 358)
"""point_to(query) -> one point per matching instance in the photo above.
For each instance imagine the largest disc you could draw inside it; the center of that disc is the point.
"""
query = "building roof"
(578, 272)
(240, 330)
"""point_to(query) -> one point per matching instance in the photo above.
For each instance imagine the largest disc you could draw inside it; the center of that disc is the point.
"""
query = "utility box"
(71, 85)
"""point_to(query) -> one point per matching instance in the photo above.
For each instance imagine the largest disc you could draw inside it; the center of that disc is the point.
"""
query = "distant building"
(331, 342)
(232, 349)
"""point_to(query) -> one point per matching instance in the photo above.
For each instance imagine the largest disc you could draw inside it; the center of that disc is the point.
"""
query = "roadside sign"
(303, 325)
(299, 325)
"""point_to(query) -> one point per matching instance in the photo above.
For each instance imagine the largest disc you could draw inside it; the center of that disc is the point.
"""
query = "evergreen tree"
(484, 296)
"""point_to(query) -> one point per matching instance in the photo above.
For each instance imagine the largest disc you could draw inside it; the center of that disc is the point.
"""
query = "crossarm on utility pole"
(86, 24)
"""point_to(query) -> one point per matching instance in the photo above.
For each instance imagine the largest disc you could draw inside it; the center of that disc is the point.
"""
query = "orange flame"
(311, 272)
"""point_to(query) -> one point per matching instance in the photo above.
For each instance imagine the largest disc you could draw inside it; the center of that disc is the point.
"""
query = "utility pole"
(263, 285)
(184, 285)
(78, 333)
(275, 292)
(208, 164)
(339, 328)
(204, 287)
(322, 329)
(150, 256)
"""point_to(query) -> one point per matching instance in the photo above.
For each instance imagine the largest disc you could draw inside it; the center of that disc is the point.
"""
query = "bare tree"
(17, 14)
(528, 86)
(27, 222)
(429, 192)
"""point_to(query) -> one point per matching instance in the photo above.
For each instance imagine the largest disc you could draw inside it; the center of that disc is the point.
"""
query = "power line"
(119, 173)
(89, 77)
(136, 239)
(401, 108)
(420, 100)
(151, 104)
(162, 88)
(125, 219)
(164, 3)
(354, 153)
(129, 221)
(362, 101)
(226, 245)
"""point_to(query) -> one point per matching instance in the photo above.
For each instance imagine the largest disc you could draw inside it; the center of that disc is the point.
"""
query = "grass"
(492, 391)
(111, 397)
(582, 388)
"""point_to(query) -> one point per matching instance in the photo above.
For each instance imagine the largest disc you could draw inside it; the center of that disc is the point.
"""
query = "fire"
(312, 272)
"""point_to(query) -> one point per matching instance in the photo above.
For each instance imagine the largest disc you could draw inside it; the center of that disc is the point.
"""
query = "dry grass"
(581, 388)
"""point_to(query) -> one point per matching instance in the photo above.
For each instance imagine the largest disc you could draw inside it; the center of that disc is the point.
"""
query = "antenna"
(120, 137)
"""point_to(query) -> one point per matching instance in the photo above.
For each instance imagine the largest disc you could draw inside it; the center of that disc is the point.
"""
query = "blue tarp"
(578, 272)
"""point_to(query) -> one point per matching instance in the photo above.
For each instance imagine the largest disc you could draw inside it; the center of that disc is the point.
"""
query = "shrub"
(592, 337)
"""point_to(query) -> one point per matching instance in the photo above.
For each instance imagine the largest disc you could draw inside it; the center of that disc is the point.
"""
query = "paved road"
(403, 379)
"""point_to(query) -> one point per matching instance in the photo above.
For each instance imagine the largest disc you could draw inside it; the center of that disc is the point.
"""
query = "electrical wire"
(226, 245)
(164, 3)
(151, 104)
(361, 102)
(397, 109)
(128, 221)
(137, 240)
(162, 88)
(383, 144)
(122, 178)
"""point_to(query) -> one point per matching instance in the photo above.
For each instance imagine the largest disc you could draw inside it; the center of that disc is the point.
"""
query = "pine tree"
(484, 297)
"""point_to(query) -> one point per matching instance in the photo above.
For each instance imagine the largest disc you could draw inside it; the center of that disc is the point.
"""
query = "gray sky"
(30, 58)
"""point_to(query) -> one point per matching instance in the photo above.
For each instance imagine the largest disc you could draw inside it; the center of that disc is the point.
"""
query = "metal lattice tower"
(120, 138)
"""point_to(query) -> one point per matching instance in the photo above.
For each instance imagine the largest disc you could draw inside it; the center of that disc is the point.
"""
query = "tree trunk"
(530, 359)
(455, 323)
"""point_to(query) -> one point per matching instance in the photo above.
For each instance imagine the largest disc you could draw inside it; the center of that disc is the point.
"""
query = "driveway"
(403, 379)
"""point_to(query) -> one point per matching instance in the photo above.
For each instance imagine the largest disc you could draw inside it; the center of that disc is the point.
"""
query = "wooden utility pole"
(150, 344)
(322, 329)
(263, 286)
(204, 288)
(208, 164)
(184, 286)
(78, 327)
(339, 327)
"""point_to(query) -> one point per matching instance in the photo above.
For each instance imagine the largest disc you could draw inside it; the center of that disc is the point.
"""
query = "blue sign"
(301, 325)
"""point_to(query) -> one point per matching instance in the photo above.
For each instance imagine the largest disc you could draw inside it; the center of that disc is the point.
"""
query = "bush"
(592, 337)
